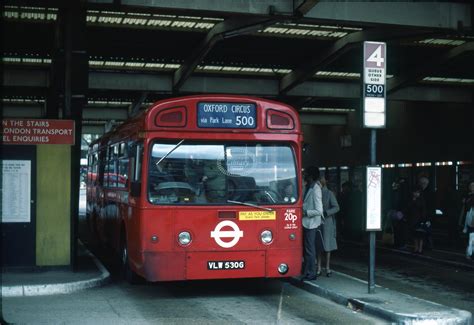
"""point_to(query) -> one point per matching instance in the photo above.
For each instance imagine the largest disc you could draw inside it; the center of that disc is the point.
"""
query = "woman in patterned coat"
(330, 207)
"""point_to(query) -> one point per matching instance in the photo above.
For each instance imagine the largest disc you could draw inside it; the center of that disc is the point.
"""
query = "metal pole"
(373, 148)
(371, 282)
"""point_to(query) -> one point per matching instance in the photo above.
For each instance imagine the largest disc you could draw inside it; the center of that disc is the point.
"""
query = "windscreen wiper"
(250, 205)
(169, 152)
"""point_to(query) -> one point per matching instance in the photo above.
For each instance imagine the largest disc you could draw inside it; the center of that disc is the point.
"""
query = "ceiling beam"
(308, 69)
(439, 15)
(25, 77)
(424, 14)
(431, 93)
(304, 7)
(229, 28)
(135, 107)
(323, 119)
(116, 83)
(90, 112)
(427, 67)
(23, 111)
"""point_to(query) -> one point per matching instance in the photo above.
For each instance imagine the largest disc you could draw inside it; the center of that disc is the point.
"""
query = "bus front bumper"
(173, 266)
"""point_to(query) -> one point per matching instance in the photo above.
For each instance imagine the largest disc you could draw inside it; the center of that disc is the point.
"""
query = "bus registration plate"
(226, 265)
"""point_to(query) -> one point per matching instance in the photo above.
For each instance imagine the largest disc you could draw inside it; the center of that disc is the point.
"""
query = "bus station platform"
(393, 306)
(441, 254)
(390, 305)
(48, 281)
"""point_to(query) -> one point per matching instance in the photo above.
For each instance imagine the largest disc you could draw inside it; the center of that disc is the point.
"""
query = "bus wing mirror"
(135, 188)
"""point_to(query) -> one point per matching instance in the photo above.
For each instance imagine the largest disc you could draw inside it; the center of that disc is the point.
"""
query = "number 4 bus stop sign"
(375, 62)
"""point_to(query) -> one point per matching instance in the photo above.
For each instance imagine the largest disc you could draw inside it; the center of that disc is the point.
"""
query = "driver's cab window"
(221, 173)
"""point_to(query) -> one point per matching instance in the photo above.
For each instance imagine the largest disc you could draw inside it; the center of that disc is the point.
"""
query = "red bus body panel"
(190, 262)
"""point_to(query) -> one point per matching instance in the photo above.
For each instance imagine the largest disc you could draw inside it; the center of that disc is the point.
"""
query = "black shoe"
(329, 273)
(318, 273)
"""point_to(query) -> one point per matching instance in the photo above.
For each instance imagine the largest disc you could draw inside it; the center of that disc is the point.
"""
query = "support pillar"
(68, 93)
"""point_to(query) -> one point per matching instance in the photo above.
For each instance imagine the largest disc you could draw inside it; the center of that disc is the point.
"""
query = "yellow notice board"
(257, 215)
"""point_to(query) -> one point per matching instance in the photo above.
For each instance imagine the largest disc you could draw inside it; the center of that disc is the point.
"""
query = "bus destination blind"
(227, 115)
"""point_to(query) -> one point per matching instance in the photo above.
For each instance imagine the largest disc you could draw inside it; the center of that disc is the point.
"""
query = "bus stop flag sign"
(375, 62)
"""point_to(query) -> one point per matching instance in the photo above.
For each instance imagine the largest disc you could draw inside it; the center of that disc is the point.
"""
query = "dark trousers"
(309, 242)
(400, 229)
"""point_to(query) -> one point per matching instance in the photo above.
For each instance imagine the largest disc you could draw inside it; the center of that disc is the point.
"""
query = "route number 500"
(244, 121)
(374, 89)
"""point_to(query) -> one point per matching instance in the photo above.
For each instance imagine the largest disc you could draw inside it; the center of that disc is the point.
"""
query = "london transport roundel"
(235, 234)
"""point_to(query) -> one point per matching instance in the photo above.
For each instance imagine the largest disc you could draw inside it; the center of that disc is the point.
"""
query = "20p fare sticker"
(290, 218)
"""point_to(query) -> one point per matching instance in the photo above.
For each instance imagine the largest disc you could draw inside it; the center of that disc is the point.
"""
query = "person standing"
(467, 203)
(467, 216)
(417, 219)
(427, 195)
(312, 219)
(330, 208)
(401, 197)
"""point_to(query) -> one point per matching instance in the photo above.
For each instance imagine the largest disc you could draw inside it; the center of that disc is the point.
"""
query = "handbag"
(422, 227)
(388, 238)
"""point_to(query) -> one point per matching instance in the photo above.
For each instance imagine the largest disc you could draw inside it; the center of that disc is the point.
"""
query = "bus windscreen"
(203, 173)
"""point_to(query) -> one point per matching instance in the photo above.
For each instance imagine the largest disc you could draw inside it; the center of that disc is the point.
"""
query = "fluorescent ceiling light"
(423, 164)
(405, 165)
(327, 109)
(449, 80)
(114, 63)
(30, 13)
(444, 163)
(348, 75)
(441, 41)
(308, 30)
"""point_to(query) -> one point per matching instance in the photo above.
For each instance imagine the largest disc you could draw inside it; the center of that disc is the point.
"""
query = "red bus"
(201, 187)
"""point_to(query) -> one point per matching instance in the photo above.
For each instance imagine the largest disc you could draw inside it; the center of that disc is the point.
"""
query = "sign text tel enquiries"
(32, 131)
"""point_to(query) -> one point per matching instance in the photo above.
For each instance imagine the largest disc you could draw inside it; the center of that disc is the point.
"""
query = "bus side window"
(136, 159)
(122, 167)
(101, 165)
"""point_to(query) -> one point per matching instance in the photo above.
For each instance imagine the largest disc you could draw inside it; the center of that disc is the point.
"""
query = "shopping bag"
(387, 237)
(470, 245)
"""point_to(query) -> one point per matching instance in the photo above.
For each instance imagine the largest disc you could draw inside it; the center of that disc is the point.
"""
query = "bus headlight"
(282, 268)
(266, 236)
(184, 238)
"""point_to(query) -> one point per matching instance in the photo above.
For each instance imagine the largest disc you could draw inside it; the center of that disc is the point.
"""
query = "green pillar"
(53, 220)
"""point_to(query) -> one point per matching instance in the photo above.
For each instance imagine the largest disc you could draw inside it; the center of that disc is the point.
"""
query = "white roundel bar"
(235, 234)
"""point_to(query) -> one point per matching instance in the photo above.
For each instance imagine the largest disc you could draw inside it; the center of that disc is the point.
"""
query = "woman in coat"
(330, 207)
(418, 220)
